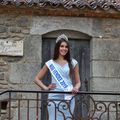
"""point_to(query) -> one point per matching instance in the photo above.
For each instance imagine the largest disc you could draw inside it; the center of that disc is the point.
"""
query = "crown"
(63, 36)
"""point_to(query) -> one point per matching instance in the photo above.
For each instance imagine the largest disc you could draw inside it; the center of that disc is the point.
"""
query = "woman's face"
(63, 49)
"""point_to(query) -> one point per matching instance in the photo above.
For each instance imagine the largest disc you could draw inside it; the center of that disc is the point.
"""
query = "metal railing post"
(27, 109)
(9, 105)
(37, 106)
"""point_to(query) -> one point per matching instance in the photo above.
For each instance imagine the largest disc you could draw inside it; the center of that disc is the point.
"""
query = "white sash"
(60, 80)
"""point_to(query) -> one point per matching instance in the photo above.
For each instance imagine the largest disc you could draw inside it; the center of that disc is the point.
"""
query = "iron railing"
(32, 105)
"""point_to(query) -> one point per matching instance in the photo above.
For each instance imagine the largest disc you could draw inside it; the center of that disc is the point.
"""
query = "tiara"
(63, 36)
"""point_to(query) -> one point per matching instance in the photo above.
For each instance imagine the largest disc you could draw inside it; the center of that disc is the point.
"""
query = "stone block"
(25, 31)
(32, 49)
(2, 21)
(29, 86)
(111, 28)
(105, 84)
(3, 63)
(4, 35)
(23, 21)
(105, 49)
(3, 28)
(42, 25)
(3, 68)
(15, 29)
(3, 84)
(2, 76)
(97, 28)
(105, 69)
(23, 72)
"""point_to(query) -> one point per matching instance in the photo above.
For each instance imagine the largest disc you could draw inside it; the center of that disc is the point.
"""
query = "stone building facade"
(100, 25)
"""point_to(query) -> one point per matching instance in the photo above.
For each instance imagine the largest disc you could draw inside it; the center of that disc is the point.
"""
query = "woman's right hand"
(52, 86)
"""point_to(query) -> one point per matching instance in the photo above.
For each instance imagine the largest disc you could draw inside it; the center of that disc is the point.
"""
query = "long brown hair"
(67, 56)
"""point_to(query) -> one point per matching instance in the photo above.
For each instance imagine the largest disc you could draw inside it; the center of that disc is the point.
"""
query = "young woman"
(64, 71)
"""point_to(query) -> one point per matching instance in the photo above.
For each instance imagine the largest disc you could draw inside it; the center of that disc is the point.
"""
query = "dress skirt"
(60, 109)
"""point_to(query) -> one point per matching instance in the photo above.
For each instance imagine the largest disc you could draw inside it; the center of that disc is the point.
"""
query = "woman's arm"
(77, 79)
(39, 77)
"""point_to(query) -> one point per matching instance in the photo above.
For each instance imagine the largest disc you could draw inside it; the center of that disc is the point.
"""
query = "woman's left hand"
(75, 90)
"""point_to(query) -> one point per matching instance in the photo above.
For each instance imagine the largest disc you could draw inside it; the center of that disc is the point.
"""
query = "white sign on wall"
(11, 48)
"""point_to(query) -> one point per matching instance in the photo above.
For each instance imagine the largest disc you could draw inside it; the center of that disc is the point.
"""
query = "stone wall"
(11, 28)
(18, 72)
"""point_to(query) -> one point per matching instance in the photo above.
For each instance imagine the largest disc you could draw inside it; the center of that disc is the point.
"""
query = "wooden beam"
(48, 11)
